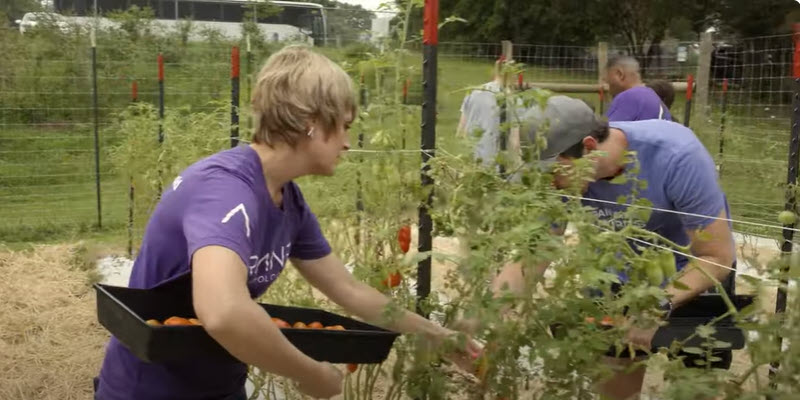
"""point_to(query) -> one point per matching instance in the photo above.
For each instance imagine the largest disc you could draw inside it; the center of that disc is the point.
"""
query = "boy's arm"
(223, 304)
(329, 275)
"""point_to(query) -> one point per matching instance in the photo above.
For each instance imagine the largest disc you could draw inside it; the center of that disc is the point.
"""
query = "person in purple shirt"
(633, 101)
(233, 221)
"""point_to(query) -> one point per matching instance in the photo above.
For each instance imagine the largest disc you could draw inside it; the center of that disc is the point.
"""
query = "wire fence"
(749, 122)
(48, 180)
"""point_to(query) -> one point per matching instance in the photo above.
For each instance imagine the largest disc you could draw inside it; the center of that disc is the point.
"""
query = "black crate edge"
(363, 344)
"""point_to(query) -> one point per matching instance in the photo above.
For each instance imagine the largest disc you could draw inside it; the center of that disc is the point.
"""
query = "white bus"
(295, 20)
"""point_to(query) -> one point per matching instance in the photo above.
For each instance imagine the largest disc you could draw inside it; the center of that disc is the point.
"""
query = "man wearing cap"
(681, 177)
(633, 101)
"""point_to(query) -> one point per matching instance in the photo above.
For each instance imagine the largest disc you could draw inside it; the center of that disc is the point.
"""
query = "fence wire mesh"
(47, 177)
(749, 122)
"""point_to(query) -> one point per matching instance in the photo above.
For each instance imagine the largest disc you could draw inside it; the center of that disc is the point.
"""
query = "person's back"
(632, 100)
(680, 176)
(481, 117)
(638, 104)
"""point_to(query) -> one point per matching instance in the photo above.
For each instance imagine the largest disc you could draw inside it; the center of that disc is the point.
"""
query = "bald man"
(633, 101)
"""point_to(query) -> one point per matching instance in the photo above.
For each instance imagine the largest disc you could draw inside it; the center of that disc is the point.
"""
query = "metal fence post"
(602, 62)
(722, 124)
(160, 98)
(406, 84)
(687, 113)
(507, 56)
(131, 198)
(602, 96)
(160, 61)
(794, 164)
(96, 131)
(234, 96)
(430, 63)
(359, 188)
(249, 66)
(704, 73)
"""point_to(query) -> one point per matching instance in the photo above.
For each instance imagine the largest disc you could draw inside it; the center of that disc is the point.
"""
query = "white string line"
(671, 211)
(61, 196)
(388, 151)
(732, 159)
(672, 250)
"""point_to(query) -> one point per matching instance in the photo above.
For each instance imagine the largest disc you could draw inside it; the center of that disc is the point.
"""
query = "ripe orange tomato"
(352, 367)
(315, 325)
(177, 321)
(300, 325)
(335, 328)
(281, 323)
(607, 321)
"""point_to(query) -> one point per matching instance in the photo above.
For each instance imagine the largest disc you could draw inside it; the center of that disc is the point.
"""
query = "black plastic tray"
(684, 321)
(123, 312)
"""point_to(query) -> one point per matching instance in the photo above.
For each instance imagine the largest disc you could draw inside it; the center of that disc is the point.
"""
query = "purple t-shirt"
(221, 200)
(638, 104)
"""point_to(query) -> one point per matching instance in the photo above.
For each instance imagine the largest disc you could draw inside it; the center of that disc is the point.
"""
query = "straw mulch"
(51, 344)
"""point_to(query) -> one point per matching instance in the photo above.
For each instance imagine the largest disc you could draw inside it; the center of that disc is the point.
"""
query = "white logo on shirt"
(270, 261)
(177, 182)
(233, 212)
(616, 218)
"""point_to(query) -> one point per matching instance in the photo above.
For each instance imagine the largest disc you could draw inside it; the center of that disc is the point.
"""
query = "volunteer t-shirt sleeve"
(309, 243)
(693, 188)
(221, 212)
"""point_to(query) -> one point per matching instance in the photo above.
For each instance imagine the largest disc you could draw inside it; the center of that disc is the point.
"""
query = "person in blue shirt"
(681, 177)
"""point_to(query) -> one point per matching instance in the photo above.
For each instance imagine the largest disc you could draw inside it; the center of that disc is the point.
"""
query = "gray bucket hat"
(565, 121)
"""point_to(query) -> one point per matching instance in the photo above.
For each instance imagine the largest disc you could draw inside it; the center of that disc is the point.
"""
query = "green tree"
(755, 18)
(531, 21)
(640, 24)
(347, 20)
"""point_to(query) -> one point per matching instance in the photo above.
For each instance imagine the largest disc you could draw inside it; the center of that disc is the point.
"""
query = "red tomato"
(393, 280)
(607, 321)
(352, 367)
(404, 238)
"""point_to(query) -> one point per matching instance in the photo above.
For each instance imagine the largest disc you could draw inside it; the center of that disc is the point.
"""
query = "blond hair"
(295, 87)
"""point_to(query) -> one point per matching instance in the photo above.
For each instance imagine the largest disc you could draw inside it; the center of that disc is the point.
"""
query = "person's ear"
(620, 74)
(589, 144)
